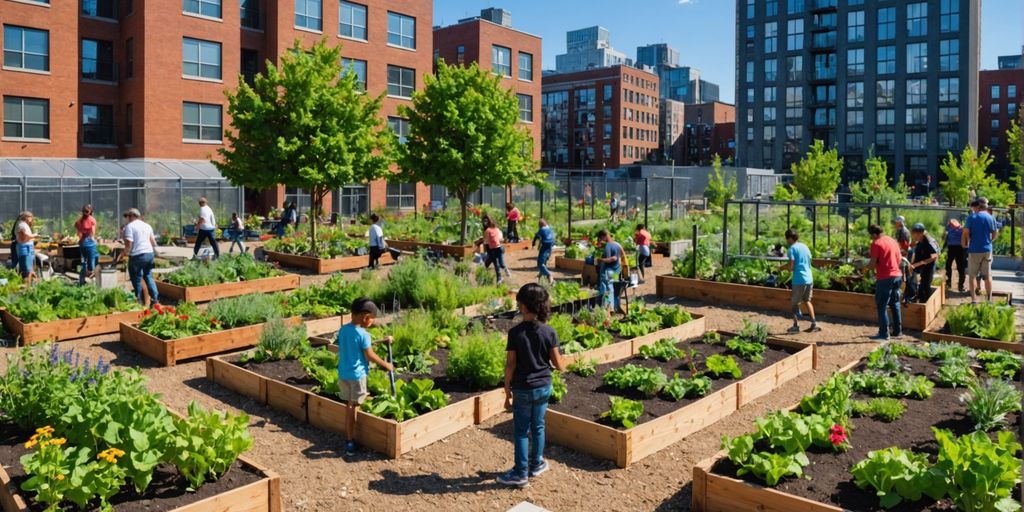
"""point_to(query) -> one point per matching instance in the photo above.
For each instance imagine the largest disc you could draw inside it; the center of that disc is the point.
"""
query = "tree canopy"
(1015, 150)
(818, 174)
(305, 124)
(719, 189)
(464, 134)
(967, 177)
(876, 188)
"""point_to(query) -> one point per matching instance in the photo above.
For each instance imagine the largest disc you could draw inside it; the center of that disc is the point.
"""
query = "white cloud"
(687, 2)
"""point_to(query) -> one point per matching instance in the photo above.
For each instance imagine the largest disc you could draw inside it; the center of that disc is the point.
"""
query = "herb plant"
(279, 342)
(678, 388)
(986, 320)
(55, 299)
(228, 268)
(664, 349)
(558, 387)
(885, 409)
(989, 403)
(894, 385)
(207, 444)
(711, 338)
(719, 366)
(624, 411)
(583, 367)
(245, 310)
(478, 358)
(897, 475)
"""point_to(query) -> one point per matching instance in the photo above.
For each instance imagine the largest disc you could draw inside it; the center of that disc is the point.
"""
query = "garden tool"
(391, 373)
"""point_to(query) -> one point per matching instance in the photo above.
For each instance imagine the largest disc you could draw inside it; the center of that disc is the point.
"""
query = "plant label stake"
(391, 373)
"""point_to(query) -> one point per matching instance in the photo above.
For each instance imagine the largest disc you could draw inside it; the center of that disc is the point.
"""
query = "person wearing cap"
(206, 228)
(355, 352)
(901, 233)
(922, 266)
(979, 231)
(799, 264)
(140, 246)
(955, 253)
(885, 257)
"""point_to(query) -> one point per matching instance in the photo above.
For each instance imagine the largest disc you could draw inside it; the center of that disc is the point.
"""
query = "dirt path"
(458, 472)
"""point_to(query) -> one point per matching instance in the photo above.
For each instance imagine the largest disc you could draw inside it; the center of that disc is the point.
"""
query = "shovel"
(391, 373)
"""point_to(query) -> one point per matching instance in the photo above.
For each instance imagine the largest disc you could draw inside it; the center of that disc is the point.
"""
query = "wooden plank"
(569, 264)
(254, 497)
(980, 343)
(69, 329)
(454, 251)
(581, 435)
(10, 499)
(224, 290)
(725, 494)
(692, 329)
(149, 346)
(193, 346)
(329, 325)
(425, 429)
(286, 398)
(653, 436)
(699, 490)
(274, 491)
(488, 405)
(325, 265)
(237, 379)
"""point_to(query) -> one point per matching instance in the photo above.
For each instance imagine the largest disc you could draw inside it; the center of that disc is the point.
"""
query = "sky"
(702, 30)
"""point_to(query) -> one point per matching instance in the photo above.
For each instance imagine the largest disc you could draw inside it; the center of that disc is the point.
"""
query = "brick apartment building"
(599, 118)
(515, 56)
(1002, 98)
(709, 130)
(133, 79)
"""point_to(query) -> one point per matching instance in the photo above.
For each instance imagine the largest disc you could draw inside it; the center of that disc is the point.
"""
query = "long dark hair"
(536, 300)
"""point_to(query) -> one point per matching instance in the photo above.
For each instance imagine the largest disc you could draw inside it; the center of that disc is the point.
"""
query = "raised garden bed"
(574, 422)
(828, 484)
(994, 320)
(61, 330)
(223, 290)
(848, 305)
(454, 251)
(325, 265)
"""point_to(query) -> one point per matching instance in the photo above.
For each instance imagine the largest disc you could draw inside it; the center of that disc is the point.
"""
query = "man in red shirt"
(885, 257)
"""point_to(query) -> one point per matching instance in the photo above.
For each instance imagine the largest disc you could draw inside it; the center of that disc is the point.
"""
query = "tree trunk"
(316, 199)
(462, 231)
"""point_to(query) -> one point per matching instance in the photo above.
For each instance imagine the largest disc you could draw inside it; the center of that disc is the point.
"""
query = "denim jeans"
(204, 234)
(497, 256)
(236, 239)
(26, 257)
(528, 408)
(542, 260)
(140, 267)
(90, 257)
(606, 276)
(887, 295)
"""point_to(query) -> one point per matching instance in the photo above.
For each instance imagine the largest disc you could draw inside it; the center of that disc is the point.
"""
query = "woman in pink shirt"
(86, 228)
(495, 252)
(642, 239)
(513, 216)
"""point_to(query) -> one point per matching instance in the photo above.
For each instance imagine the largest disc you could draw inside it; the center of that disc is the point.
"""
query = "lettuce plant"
(720, 365)
(885, 409)
(228, 268)
(1000, 364)
(897, 475)
(207, 444)
(624, 411)
(664, 349)
(985, 320)
(677, 388)
(558, 387)
(981, 473)
(648, 381)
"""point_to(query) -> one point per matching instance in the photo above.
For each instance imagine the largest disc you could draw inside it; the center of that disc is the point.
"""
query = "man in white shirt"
(140, 245)
(377, 243)
(206, 227)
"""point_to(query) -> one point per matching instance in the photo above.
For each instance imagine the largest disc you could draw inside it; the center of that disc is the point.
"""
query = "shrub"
(246, 310)
(989, 403)
(279, 342)
(228, 268)
(478, 358)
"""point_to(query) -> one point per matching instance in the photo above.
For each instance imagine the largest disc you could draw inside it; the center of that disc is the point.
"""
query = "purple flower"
(54, 354)
(102, 367)
(77, 357)
(67, 355)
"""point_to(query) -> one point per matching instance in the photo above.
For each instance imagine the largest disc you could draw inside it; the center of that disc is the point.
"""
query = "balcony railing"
(99, 70)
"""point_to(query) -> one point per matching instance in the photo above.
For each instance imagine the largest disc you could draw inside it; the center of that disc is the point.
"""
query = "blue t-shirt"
(546, 235)
(612, 249)
(800, 255)
(981, 226)
(954, 236)
(352, 342)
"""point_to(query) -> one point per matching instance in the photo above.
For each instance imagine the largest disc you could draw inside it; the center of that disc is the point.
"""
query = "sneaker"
(813, 328)
(350, 447)
(512, 480)
(538, 470)
(897, 334)
(793, 330)
(880, 337)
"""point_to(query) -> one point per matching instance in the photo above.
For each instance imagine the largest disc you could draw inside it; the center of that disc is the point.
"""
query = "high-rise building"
(678, 83)
(708, 92)
(588, 48)
(655, 55)
(672, 122)
(710, 129)
(1012, 61)
(112, 79)
(600, 118)
(1002, 98)
(896, 77)
(513, 55)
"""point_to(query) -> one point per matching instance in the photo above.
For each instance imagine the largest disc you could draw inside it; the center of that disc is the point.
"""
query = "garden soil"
(458, 473)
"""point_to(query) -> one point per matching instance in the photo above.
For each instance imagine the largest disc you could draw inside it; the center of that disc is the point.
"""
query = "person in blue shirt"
(546, 236)
(609, 267)
(955, 253)
(355, 352)
(979, 231)
(803, 280)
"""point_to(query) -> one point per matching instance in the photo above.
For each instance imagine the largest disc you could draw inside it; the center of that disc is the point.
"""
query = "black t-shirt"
(532, 342)
(924, 250)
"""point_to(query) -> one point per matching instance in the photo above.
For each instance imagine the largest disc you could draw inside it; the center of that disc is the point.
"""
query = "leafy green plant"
(664, 349)
(56, 299)
(245, 310)
(981, 473)
(1000, 364)
(563, 326)
(908, 350)
(558, 386)
(330, 243)
(583, 367)
(885, 409)
(411, 399)
(677, 388)
(624, 411)
(830, 400)
(720, 365)
(897, 475)
(478, 358)
(671, 316)
(594, 317)
(986, 320)
(279, 342)
(228, 268)
(789, 432)
(749, 350)
(953, 373)
(566, 292)
(895, 385)
(947, 351)
(989, 403)
(322, 366)
(768, 467)
(883, 359)
(639, 321)
(711, 338)
(331, 298)
(207, 444)
(378, 382)
(648, 381)
(169, 323)
(415, 336)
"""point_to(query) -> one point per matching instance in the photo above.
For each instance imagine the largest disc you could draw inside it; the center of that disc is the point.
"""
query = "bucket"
(106, 278)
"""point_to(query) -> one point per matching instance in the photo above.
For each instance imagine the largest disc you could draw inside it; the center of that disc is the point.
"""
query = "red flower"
(171, 310)
(184, 317)
(838, 435)
(213, 321)
(145, 313)
(158, 308)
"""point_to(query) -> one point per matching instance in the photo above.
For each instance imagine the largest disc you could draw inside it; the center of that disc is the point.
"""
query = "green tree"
(875, 188)
(785, 193)
(305, 124)
(967, 176)
(817, 175)
(464, 134)
(720, 190)
(1015, 150)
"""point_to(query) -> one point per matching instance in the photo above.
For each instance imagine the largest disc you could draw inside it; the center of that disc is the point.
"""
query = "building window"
(401, 81)
(100, 8)
(917, 92)
(250, 65)
(949, 90)
(1011, 110)
(250, 13)
(771, 8)
(917, 19)
(771, 37)
(401, 196)
(606, 151)
(201, 122)
(994, 143)
(607, 131)
(795, 7)
(949, 16)
(26, 118)
(795, 35)
(401, 30)
(994, 109)
(525, 108)
(769, 114)
(995, 92)
(855, 62)
(210, 8)
(501, 60)
(917, 116)
(885, 141)
(750, 71)
(949, 55)
(886, 60)
(855, 26)
(606, 93)
(825, 66)
(400, 127)
(97, 124)
(885, 117)
(460, 54)
(995, 124)
(795, 68)
(917, 57)
(525, 66)
(794, 102)
(26, 48)
(357, 68)
(1011, 91)
(771, 69)
(129, 58)
(200, 59)
(769, 94)
(855, 94)
(129, 123)
(854, 118)
(916, 141)
(949, 115)
(855, 141)
(309, 14)
(887, 23)
(352, 21)
(98, 61)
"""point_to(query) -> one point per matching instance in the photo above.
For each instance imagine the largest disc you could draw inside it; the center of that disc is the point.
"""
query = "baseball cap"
(900, 219)
(133, 212)
(983, 201)
(917, 228)
(364, 305)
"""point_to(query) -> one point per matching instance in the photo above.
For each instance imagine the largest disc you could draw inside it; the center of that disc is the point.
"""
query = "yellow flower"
(31, 442)
(110, 455)
(47, 430)
(60, 477)
(55, 442)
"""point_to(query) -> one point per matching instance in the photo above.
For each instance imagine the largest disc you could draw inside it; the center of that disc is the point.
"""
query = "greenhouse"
(165, 191)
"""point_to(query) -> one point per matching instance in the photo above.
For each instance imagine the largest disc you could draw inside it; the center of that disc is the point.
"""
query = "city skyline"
(551, 21)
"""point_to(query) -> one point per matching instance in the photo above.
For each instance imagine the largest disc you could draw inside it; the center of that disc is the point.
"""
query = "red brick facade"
(708, 129)
(993, 124)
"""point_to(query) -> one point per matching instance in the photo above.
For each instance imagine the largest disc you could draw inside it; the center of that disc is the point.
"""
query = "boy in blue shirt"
(803, 280)
(979, 231)
(354, 353)
(546, 236)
